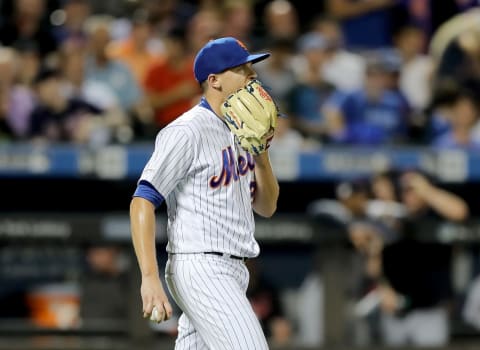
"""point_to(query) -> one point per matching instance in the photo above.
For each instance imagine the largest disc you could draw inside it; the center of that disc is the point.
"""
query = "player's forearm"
(142, 220)
(267, 191)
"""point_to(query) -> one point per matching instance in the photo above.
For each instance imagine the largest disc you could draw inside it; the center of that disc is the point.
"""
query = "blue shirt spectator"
(438, 126)
(448, 141)
(370, 121)
(311, 91)
(355, 29)
(459, 102)
(305, 105)
(365, 24)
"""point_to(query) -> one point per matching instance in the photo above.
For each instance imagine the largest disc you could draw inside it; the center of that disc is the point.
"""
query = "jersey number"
(253, 188)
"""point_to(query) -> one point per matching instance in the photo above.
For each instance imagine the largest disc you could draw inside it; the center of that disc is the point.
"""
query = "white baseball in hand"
(155, 315)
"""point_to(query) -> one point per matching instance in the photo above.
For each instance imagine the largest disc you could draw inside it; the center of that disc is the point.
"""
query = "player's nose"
(251, 72)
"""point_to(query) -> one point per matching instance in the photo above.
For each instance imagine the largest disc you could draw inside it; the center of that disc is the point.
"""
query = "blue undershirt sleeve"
(146, 190)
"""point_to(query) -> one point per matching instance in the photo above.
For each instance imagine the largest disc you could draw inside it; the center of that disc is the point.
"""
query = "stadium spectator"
(109, 71)
(392, 61)
(311, 91)
(350, 203)
(205, 25)
(29, 59)
(463, 112)
(415, 304)
(385, 204)
(372, 115)
(170, 85)
(96, 93)
(141, 49)
(416, 68)
(16, 100)
(354, 196)
(57, 118)
(360, 17)
(412, 293)
(353, 212)
(68, 29)
(437, 121)
(168, 14)
(277, 73)
(280, 21)
(28, 23)
(240, 19)
(343, 68)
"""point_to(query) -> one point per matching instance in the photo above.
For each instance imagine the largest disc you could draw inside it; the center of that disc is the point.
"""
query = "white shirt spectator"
(99, 94)
(415, 81)
(344, 70)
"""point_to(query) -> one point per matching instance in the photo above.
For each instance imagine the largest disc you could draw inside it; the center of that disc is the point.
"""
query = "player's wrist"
(262, 158)
(154, 274)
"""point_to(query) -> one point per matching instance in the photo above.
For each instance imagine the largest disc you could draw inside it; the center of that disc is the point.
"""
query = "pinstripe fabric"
(188, 337)
(211, 292)
(205, 178)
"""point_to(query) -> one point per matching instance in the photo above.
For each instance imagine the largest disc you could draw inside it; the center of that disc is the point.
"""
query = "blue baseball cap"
(221, 54)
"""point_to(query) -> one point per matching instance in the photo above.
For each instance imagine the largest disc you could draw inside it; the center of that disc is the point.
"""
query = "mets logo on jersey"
(231, 169)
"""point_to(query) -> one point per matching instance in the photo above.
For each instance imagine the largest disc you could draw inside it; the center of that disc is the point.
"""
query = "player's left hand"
(251, 114)
(155, 301)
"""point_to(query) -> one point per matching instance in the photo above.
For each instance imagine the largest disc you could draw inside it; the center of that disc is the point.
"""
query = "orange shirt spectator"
(170, 85)
(140, 50)
(171, 89)
(137, 60)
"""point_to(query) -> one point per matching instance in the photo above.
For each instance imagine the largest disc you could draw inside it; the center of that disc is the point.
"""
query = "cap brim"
(257, 57)
(249, 59)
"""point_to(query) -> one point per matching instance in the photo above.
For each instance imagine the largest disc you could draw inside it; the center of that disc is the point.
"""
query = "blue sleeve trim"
(146, 190)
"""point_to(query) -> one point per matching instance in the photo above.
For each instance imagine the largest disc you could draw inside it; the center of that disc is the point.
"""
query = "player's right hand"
(153, 295)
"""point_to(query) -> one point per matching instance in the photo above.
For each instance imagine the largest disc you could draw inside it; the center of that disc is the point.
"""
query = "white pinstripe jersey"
(207, 181)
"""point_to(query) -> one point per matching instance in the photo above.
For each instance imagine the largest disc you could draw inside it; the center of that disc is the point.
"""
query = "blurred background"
(376, 240)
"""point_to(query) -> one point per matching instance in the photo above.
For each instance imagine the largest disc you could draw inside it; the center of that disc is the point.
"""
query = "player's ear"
(213, 81)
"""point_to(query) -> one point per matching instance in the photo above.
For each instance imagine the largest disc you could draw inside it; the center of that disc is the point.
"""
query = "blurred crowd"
(345, 72)
(374, 72)
(408, 287)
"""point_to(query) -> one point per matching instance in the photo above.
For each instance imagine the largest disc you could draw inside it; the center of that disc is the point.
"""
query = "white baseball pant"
(211, 291)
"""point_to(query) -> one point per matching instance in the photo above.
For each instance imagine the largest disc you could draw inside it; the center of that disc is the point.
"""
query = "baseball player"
(211, 186)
